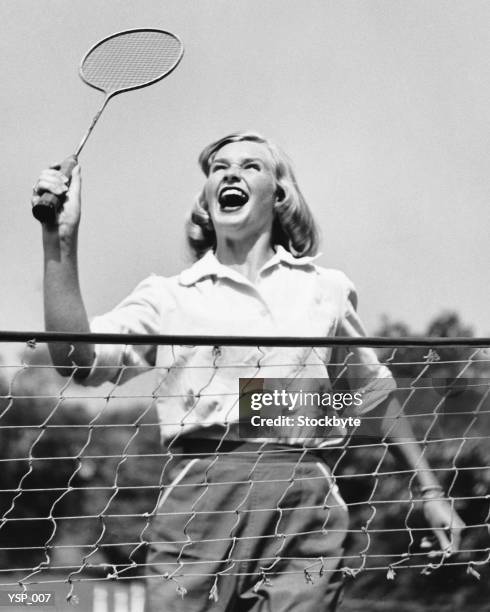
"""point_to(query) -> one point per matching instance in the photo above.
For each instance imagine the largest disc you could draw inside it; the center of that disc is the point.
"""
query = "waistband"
(246, 451)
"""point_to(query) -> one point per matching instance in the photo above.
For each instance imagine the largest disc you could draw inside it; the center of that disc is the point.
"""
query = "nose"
(232, 173)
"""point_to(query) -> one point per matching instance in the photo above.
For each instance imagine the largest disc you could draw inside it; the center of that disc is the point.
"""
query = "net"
(84, 473)
(132, 59)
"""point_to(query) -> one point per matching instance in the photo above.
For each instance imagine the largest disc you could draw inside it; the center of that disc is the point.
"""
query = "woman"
(237, 511)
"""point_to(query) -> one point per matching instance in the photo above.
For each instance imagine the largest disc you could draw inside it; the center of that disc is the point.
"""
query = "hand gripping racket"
(121, 62)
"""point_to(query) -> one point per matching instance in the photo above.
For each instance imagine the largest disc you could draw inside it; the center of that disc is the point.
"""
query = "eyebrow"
(223, 160)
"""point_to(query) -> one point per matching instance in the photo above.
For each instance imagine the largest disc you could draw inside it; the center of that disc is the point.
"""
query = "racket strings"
(131, 59)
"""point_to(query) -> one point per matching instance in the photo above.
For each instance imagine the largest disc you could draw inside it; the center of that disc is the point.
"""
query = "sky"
(383, 106)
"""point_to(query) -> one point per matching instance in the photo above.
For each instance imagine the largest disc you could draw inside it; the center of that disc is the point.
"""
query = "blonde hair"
(294, 226)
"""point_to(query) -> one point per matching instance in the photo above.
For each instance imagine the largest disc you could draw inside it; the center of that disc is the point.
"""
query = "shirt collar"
(209, 265)
(283, 256)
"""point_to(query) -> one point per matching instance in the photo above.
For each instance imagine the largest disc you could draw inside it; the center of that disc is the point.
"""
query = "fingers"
(456, 533)
(444, 542)
(51, 180)
(56, 197)
(54, 181)
(449, 538)
(446, 525)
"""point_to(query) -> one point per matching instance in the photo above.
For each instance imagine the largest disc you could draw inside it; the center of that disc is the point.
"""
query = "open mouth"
(232, 198)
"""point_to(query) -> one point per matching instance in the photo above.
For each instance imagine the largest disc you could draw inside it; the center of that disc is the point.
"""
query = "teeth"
(232, 197)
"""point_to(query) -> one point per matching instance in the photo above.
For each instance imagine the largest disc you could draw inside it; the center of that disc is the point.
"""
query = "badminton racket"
(121, 62)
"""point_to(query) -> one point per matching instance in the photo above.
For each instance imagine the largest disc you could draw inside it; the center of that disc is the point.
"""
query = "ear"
(280, 194)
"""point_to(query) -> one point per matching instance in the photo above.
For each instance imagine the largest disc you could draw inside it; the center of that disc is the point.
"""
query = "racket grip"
(49, 204)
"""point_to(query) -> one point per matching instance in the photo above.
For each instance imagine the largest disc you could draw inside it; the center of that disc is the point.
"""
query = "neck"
(245, 256)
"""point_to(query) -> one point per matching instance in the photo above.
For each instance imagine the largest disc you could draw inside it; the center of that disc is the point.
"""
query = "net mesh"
(131, 59)
(84, 474)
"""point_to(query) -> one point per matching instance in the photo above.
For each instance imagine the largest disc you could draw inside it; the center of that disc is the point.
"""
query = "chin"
(230, 219)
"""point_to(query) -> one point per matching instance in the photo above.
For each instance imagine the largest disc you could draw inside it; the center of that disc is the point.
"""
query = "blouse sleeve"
(139, 313)
(359, 365)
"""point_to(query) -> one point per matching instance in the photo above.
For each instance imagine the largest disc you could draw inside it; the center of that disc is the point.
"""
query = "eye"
(216, 167)
(252, 166)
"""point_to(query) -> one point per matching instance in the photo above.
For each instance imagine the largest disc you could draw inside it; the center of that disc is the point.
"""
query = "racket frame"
(132, 87)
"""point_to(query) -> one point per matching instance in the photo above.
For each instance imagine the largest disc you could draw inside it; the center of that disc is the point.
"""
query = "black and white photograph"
(244, 331)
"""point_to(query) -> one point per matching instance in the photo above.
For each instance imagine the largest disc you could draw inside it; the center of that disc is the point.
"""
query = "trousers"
(246, 532)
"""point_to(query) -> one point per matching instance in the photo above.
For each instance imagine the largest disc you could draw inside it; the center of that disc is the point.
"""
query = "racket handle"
(49, 204)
